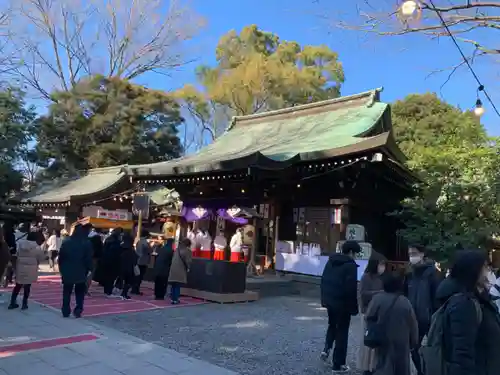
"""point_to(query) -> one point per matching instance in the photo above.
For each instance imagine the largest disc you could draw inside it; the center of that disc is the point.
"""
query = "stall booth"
(102, 223)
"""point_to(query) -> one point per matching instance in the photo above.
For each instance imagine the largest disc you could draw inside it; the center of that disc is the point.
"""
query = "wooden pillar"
(251, 268)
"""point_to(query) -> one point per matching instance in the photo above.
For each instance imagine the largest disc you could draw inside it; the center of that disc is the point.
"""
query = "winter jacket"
(472, 334)
(29, 256)
(97, 245)
(369, 285)
(75, 258)
(53, 243)
(164, 259)
(181, 262)
(143, 251)
(420, 288)
(4, 256)
(10, 239)
(111, 251)
(128, 261)
(339, 284)
(401, 330)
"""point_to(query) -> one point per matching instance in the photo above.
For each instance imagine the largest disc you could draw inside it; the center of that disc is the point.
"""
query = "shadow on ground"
(281, 335)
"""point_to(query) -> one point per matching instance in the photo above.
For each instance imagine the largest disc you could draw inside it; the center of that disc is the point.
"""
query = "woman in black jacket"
(128, 264)
(472, 333)
(162, 268)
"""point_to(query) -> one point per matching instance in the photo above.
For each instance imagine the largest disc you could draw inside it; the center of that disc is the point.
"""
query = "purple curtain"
(237, 220)
(195, 213)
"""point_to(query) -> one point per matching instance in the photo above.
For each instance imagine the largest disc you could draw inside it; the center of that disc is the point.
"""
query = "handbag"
(375, 333)
(137, 270)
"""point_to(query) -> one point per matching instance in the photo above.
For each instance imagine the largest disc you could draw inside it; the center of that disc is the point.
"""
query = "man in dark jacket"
(75, 266)
(110, 260)
(420, 288)
(162, 268)
(96, 242)
(339, 290)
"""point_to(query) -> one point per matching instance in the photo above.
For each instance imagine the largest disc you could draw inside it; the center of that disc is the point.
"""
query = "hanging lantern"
(479, 109)
(409, 10)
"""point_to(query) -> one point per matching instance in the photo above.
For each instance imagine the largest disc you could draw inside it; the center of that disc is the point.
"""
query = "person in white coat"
(235, 245)
(220, 244)
(205, 241)
(29, 256)
(53, 246)
(192, 236)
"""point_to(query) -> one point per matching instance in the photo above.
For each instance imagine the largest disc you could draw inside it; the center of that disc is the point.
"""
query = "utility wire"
(466, 60)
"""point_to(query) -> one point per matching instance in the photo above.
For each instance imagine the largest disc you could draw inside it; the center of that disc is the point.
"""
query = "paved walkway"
(40, 342)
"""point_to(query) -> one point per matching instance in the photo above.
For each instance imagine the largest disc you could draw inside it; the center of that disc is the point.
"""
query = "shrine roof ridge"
(366, 98)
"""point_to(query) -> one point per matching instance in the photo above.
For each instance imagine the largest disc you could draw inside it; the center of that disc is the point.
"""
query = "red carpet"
(9, 350)
(48, 292)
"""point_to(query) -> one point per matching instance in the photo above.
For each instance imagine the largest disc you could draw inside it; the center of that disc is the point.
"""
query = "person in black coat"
(75, 266)
(128, 264)
(10, 240)
(162, 268)
(110, 261)
(471, 342)
(97, 245)
(420, 288)
(339, 294)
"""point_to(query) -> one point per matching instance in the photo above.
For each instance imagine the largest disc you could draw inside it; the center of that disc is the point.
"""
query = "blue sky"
(400, 64)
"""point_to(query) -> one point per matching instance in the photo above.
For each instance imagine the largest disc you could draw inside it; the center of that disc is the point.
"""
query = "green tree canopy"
(456, 204)
(16, 131)
(255, 72)
(108, 121)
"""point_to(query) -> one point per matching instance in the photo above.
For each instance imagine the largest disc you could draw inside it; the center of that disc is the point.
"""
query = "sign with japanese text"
(112, 215)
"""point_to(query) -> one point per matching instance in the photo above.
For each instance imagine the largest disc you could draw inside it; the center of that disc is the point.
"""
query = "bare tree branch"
(461, 19)
(64, 41)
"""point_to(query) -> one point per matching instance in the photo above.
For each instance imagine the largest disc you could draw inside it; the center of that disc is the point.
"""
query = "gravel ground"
(281, 335)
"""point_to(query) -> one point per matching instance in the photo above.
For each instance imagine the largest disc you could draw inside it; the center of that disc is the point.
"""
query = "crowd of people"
(117, 262)
(445, 325)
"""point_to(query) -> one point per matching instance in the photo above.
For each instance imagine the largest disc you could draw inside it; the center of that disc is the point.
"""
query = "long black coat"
(128, 260)
(421, 286)
(164, 260)
(339, 284)
(472, 338)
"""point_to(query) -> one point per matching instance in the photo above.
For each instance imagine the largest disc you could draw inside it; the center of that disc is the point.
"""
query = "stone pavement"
(40, 342)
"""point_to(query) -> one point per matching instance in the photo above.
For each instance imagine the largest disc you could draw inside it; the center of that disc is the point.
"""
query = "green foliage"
(456, 203)
(16, 131)
(255, 72)
(108, 121)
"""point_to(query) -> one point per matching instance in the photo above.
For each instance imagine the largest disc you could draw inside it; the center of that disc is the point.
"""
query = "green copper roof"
(306, 132)
(342, 126)
(63, 190)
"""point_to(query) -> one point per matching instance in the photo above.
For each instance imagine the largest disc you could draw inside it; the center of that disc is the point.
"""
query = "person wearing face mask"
(369, 285)
(420, 288)
(471, 341)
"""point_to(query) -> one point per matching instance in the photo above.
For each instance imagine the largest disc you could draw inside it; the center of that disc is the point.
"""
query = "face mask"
(381, 270)
(415, 259)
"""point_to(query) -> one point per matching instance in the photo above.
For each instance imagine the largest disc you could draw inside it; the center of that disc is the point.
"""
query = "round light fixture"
(479, 109)
(408, 8)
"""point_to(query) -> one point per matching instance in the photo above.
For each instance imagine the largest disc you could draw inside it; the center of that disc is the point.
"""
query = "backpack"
(431, 350)
(376, 330)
